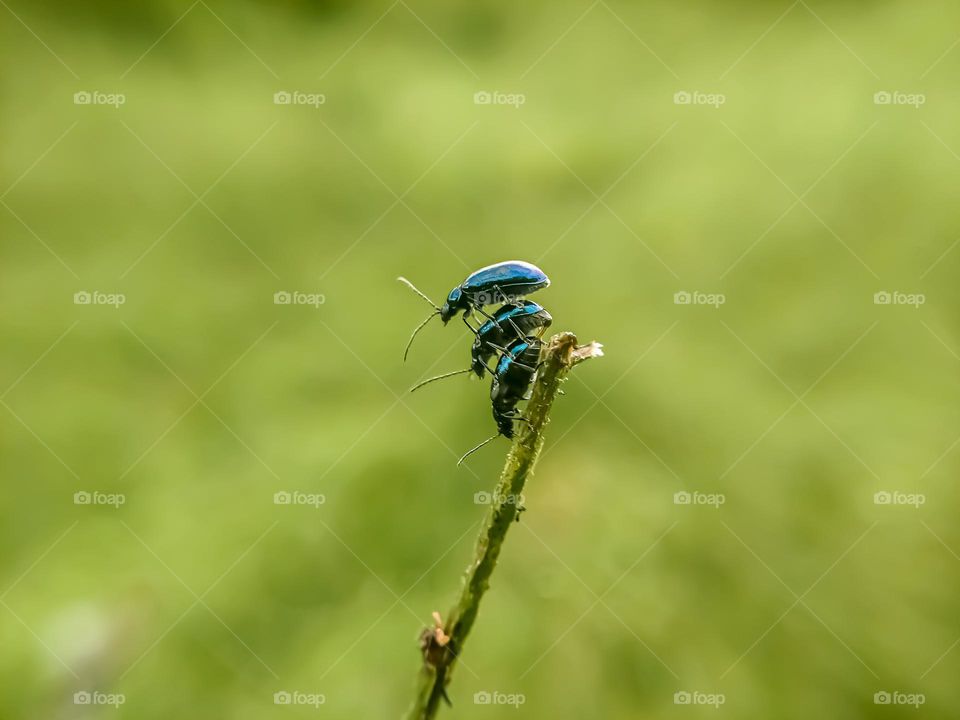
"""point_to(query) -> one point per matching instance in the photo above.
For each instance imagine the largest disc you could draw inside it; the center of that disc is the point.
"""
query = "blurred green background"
(792, 192)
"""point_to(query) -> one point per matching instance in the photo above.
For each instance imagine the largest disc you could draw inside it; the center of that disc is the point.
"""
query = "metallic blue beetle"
(508, 324)
(505, 282)
(511, 383)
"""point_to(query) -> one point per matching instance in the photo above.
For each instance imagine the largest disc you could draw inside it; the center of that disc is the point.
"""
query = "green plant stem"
(560, 355)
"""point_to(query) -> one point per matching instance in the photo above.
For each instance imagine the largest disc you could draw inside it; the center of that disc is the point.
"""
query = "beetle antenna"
(414, 288)
(473, 450)
(419, 328)
(440, 377)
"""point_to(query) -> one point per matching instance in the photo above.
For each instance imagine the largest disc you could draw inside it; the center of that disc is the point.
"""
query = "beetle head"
(454, 304)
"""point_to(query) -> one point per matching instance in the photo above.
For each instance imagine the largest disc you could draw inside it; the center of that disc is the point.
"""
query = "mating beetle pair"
(513, 331)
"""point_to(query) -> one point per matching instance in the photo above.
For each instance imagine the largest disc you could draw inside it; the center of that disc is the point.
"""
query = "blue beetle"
(494, 334)
(508, 324)
(505, 282)
(511, 382)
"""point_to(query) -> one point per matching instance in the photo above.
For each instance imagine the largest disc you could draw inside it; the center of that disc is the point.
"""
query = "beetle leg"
(499, 324)
(515, 327)
(485, 314)
(473, 309)
(525, 367)
(469, 326)
(505, 299)
(501, 296)
(502, 350)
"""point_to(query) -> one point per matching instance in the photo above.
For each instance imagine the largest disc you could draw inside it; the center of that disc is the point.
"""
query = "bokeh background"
(784, 185)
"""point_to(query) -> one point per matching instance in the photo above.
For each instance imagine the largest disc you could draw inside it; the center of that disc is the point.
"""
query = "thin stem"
(442, 645)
